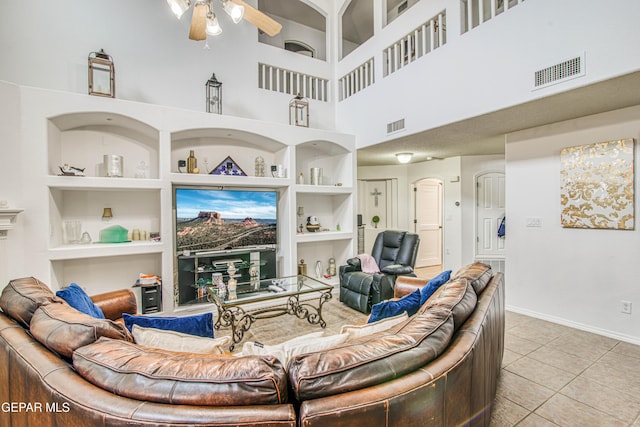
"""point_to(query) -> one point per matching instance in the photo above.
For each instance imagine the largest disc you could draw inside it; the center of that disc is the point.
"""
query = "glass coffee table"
(231, 314)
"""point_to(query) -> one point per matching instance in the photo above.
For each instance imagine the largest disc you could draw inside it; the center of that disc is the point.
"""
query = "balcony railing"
(424, 39)
(292, 82)
(356, 80)
(475, 12)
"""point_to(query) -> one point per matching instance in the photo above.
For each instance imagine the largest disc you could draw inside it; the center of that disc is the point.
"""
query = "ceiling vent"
(396, 126)
(563, 71)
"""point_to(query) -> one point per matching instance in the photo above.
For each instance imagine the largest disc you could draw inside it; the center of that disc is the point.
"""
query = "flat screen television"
(214, 219)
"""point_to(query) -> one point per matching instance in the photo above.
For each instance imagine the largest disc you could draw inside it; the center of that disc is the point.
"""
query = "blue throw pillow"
(433, 285)
(200, 325)
(77, 298)
(409, 303)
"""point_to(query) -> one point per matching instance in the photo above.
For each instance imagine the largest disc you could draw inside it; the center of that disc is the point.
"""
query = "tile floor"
(553, 375)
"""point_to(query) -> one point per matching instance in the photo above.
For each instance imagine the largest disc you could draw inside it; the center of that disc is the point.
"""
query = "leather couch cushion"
(163, 376)
(456, 295)
(477, 273)
(62, 328)
(21, 297)
(374, 359)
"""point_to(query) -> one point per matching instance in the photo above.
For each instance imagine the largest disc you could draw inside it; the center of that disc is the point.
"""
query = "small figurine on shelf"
(67, 170)
(259, 166)
(142, 170)
(231, 269)
(217, 283)
(201, 288)
(231, 287)
(253, 277)
(302, 268)
(313, 224)
(331, 270)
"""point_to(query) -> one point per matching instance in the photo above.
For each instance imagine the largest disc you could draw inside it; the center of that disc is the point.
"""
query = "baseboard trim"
(576, 325)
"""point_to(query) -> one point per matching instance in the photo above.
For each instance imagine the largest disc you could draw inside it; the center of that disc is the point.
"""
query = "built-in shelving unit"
(78, 130)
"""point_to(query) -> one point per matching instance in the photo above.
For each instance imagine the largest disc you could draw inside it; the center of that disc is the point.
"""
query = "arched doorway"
(428, 221)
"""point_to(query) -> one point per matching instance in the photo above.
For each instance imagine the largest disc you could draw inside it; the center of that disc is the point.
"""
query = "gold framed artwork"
(597, 185)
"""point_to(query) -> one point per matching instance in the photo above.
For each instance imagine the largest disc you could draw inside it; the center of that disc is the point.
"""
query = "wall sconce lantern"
(214, 95)
(299, 111)
(102, 75)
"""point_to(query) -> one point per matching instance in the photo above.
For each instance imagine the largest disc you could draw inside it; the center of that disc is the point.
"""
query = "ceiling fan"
(204, 20)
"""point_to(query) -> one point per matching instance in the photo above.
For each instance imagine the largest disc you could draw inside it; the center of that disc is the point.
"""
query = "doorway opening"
(490, 211)
(428, 197)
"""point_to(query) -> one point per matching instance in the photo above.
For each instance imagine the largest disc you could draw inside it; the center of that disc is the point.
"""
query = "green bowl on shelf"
(114, 234)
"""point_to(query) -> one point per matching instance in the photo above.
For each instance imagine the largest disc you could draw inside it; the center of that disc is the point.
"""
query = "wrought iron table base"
(240, 320)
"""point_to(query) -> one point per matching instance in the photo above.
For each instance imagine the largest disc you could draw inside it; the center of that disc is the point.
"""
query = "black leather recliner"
(395, 253)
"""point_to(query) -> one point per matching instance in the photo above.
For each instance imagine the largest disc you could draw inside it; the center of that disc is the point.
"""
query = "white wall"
(293, 31)
(573, 276)
(14, 161)
(489, 68)
(46, 44)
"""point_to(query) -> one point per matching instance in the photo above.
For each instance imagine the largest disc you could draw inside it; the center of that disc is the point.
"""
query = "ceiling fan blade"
(197, 30)
(259, 19)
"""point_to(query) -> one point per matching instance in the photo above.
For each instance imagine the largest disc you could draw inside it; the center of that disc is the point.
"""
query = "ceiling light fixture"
(213, 26)
(204, 21)
(179, 7)
(404, 157)
(235, 11)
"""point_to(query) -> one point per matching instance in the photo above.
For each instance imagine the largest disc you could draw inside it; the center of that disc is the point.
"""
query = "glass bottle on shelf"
(192, 163)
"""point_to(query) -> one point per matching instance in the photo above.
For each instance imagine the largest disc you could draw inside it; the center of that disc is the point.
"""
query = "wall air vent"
(563, 71)
(396, 126)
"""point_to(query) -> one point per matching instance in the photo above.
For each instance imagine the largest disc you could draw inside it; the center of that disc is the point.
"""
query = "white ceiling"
(485, 134)
(296, 11)
(357, 20)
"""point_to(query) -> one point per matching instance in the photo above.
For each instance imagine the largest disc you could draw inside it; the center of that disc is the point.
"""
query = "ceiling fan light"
(179, 7)
(235, 11)
(213, 26)
(404, 157)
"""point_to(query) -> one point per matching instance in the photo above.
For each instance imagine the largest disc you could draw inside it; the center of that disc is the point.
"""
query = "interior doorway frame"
(497, 262)
(414, 220)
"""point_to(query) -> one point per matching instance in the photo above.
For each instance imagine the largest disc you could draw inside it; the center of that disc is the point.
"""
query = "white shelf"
(96, 183)
(327, 190)
(99, 250)
(323, 236)
(230, 181)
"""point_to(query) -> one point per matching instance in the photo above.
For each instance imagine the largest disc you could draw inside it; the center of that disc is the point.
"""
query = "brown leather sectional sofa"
(439, 368)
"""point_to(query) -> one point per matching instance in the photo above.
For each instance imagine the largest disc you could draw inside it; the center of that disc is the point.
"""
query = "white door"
(489, 212)
(428, 221)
